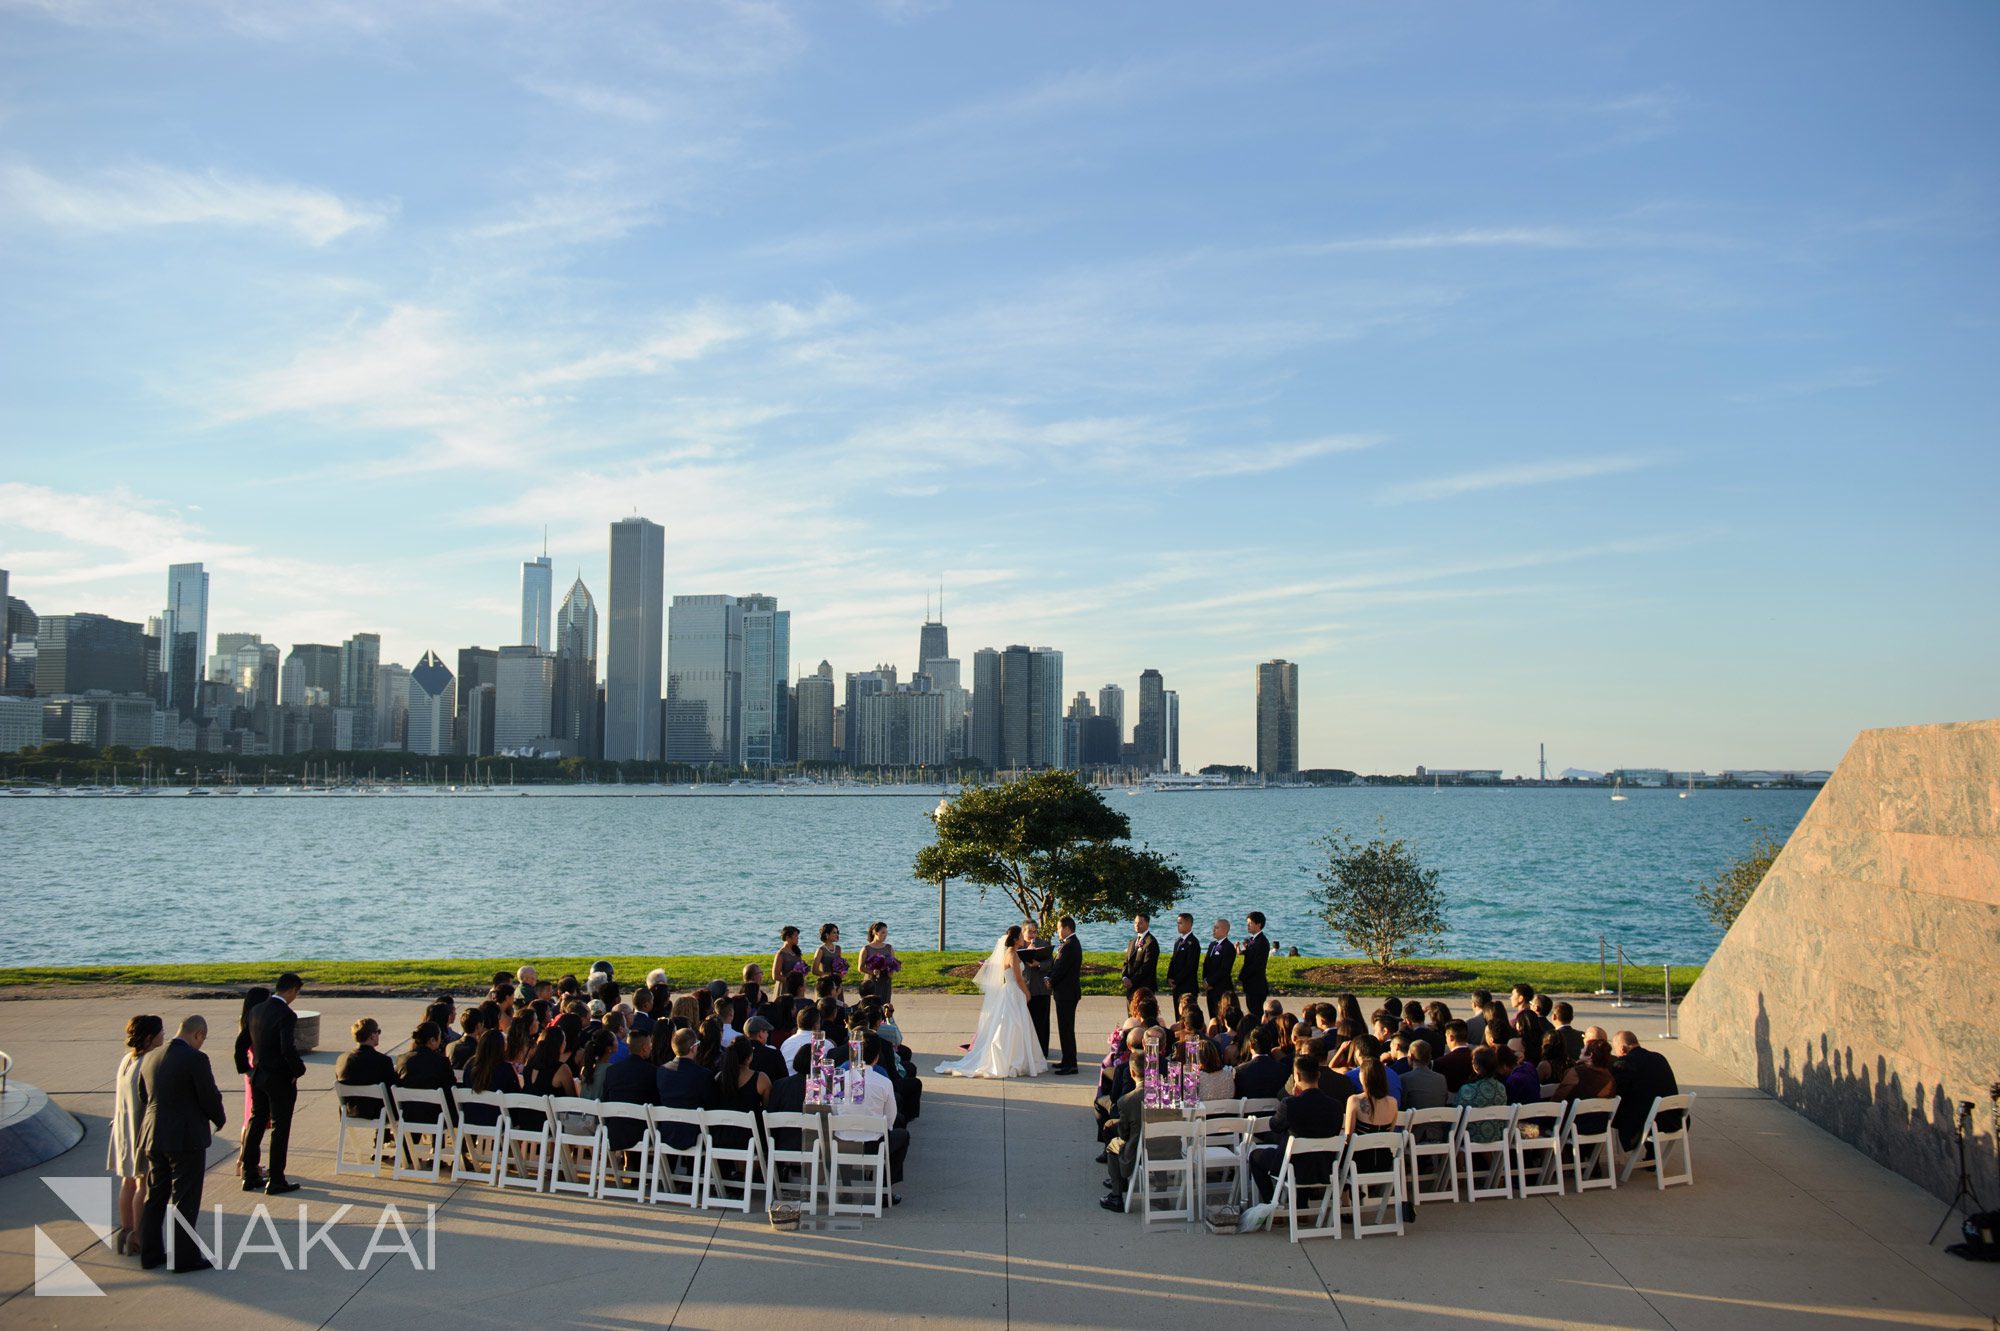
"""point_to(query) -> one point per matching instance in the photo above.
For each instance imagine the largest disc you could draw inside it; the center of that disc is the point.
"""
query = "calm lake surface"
(1527, 873)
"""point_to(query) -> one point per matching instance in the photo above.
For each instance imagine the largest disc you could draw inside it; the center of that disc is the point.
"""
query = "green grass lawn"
(921, 971)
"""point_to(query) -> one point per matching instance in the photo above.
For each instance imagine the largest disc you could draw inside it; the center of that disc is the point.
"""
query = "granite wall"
(1861, 985)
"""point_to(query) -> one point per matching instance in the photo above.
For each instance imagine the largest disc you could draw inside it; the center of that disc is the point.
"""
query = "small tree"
(1723, 897)
(1378, 897)
(1055, 847)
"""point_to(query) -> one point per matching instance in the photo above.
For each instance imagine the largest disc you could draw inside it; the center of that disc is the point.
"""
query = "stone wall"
(1861, 985)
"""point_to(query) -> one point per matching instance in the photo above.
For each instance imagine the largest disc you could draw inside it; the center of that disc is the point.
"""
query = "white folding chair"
(376, 1126)
(807, 1158)
(1321, 1220)
(718, 1189)
(468, 1145)
(1384, 1172)
(1166, 1153)
(667, 1179)
(1431, 1147)
(525, 1146)
(1534, 1145)
(424, 1115)
(859, 1146)
(1259, 1107)
(1222, 1108)
(1471, 1150)
(1592, 1155)
(1223, 1147)
(624, 1173)
(1656, 1144)
(573, 1145)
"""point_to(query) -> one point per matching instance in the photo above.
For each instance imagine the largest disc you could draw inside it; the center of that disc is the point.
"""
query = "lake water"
(1527, 873)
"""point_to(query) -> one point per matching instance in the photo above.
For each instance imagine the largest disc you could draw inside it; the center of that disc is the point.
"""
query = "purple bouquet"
(836, 966)
(881, 963)
(798, 968)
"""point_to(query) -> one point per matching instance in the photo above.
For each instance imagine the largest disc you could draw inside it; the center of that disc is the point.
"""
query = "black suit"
(788, 1096)
(1066, 987)
(1311, 1113)
(423, 1069)
(363, 1066)
(1218, 964)
(1034, 973)
(1262, 1078)
(1642, 1076)
(1142, 964)
(1256, 951)
(629, 1081)
(178, 1102)
(681, 1083)
(1184, 969)
(274, 1087)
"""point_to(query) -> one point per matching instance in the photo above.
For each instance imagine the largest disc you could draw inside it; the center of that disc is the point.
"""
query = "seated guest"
(1346, 1007)
(1456, 1064)
(1483, 1091)
(631, 1080)
(878, 1099)
(1423, 1086)
(364, 1065)
(1372, 1110)
(802, 1038)
(1523, 1015)
(764, 1055)
(489, 1070)
(614, 1021)
(708, 1044)
(1128, 1119)
(1366, 1048)
(1307, 1112)
(1222, 1027)
(740, 1088)
(423, 1067)
(595, 1063)
(548, 1071)
(1475, 1025)
(683, 1083)
(1260, 1076)
(1345, 1045)
(1189, 1023)
(442, 1012)
(1642, 1077)
(463, 1048)
(788, 1096)
(686, 1013)
(1572, 1039)
(1523, 1082)
(1499, 1031)
(1590, 1078)
(600, 981)
(1114, 1084)
(1216, 1081)
(1397, 1057)
(1384, 1025)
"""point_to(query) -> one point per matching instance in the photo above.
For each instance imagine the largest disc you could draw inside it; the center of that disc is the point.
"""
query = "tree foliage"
(1378, 896)
(1723, 897)
(1053, 845)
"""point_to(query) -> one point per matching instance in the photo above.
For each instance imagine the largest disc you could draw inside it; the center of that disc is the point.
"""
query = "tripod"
(1962, 1129)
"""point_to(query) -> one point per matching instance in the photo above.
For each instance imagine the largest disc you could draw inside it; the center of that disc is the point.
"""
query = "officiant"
(1035, 957)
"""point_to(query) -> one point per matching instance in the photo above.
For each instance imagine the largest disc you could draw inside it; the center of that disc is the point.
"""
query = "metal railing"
(1617, 950)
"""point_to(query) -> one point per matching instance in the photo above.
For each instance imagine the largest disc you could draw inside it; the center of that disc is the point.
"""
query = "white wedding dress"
(1006, 1045)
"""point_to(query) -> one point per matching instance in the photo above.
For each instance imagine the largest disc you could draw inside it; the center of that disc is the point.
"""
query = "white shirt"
(794, 1042)
(878, 1098)
(729, 1035)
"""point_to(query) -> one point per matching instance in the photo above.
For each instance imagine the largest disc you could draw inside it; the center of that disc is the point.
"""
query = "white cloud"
(1258, 459)
(1513, 477)
(596, 99)
(128, 197)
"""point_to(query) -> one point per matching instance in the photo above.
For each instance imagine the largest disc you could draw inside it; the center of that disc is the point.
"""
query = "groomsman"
(1184, 966)
(1217, 968)
(1256, 951)
(1034, 959)
(1142, 958)
(178, 1101)
(1066, 986)
(274, 1087)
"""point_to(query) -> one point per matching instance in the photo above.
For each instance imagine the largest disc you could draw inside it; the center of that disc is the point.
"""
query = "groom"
(1066, 985)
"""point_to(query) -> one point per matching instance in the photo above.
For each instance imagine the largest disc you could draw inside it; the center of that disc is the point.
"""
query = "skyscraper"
(813, 700)
(1017, 720)
(537, 593)
(359, 657)
(1149, 736)
(186, 626)
(1171, 761)
(934, 642)
(222, 661)
(431, 707)
(312, 665)
(1277, 718)
(767, 673)
(86, 653)
(635, 636)
(575, 708)
(1045, 718)
(392, 706)
(705, 680)
(984, 744)
(861, 684)
(1111, 706)
(472, 730)
(523, 699)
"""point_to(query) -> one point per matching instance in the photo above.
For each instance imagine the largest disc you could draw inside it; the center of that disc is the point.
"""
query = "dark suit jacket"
(1066, 970)
(680, 1083)
(1256, 951)
(770, 1062)
(1642, 1076)
(271, 1043)
(788, 1096)
(1311, 1113)
(1142, 963)
(1184, 965)
(425, 1070)
(1262, 1078)
(362, 1066)
(1218, 962)
(178, 1099)
(629, 1081)
(1455, 1066)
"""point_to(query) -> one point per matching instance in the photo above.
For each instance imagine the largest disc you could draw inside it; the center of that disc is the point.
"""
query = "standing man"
(1142, 958)
(1256, 951)
(1184, 966)
(1034, 959)
(1218, 968)
(274, 1087)
(178, 1100)
(1066, 985)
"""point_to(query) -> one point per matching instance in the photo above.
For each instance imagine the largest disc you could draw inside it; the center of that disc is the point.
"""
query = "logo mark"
(57, 1276)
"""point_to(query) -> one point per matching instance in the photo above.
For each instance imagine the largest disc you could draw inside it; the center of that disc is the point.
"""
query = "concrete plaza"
(1785, 1226)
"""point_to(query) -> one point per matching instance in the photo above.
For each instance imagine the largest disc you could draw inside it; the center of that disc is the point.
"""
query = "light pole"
(943, 805)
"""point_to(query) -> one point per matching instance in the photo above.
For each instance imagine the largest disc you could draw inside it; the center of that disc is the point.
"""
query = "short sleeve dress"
(122, 1156)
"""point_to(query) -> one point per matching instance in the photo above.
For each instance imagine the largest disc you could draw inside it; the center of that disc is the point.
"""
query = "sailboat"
(1690, 790)
(1618, 795)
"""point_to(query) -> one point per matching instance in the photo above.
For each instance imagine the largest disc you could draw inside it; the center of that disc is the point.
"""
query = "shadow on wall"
(1907, 1130)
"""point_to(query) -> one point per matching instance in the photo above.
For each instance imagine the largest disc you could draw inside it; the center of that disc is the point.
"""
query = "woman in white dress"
(142, 1036)
(1006, 1045)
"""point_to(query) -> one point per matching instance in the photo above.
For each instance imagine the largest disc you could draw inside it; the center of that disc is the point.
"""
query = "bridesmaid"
(142, 1035)
(878, 946)
(828, 953)
(256, 998)
(787, 958)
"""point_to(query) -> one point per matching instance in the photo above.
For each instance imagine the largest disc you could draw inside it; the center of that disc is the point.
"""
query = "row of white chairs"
(1432, 1155)
(840, 1161)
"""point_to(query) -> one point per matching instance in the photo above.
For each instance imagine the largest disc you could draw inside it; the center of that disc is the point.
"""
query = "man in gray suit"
(178, 1100)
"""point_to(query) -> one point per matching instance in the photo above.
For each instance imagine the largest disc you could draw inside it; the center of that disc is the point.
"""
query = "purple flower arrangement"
(798, 968)
(836, 966)
(881, 963)
(1171, 1085)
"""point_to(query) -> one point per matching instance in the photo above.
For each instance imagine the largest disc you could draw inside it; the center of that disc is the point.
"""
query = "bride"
(1005, 1045)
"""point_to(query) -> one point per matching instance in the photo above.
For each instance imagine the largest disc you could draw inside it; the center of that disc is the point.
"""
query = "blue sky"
(1620, 378)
